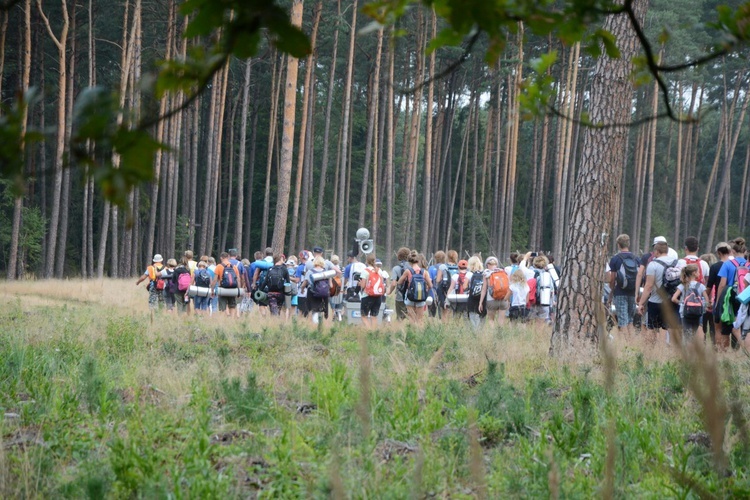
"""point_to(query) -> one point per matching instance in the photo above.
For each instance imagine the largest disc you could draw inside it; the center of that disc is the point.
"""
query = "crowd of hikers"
(707, 292)
(657, 289)
(310, 285)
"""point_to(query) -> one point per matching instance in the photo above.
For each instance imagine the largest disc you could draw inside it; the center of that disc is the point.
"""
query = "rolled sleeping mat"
(429, 300)
(323, 275)
(260, 296)
(288, 295)
(199, 291)
(230, 292)
(457, 298)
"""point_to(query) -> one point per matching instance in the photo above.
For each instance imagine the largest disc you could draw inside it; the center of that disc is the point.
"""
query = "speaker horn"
(363, 233)
(366, 246)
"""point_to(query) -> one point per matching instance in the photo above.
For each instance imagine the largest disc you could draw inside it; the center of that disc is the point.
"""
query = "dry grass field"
(103, 399)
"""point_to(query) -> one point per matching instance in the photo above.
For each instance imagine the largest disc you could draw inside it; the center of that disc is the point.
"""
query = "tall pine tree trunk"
(287, 142)
(591, 218)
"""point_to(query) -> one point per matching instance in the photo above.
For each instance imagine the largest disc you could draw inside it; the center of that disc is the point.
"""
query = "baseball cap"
(351, 254)
(290, 263)
(317, 250)
(378, 262)
(660, 239)
(158, 258)
(462, 264)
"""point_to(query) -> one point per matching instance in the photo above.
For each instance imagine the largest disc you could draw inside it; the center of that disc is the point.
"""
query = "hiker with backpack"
(227, 276)
(299, 276)
(544, 290)
(156, 284)
(722, 253)
(291, 267)
(474, 303)
(447, 269)
(692, 298)
(459, 290)
(417, 284)
(623, 279)
(202, 279)
(519, 296)
(402, 255)
(372, 284)
(659, 280)
(731, 283)
(182, 279)
(495, 291)
(170, 287)
(261, 269)
(273, 284)
(318, 291)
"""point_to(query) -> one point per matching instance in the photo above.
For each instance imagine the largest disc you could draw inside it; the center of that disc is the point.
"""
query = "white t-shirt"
(519, 294)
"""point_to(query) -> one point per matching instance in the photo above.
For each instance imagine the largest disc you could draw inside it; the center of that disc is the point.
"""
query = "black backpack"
(274, 281)
(475, 285)
(229, 277)
(202, 279)
(627, 273)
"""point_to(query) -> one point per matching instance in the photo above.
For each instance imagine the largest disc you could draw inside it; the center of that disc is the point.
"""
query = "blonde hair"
(518, 277)
(335, 260)
(687, 274)
(475, 264)
(540, 262)
(171, 263)
(319, 261)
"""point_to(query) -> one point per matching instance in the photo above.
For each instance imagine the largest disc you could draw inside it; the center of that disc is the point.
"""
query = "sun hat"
(462, 264)
(158, 258)
(660, 239)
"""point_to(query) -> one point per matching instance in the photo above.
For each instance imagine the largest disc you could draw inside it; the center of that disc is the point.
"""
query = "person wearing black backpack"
(623, 275)
(274, 282)
(474, 301)
(651, 298)
(417, 284)
(227, 276)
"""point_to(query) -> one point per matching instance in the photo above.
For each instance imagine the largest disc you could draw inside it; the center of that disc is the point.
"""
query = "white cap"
(660, 239)
(158, 258)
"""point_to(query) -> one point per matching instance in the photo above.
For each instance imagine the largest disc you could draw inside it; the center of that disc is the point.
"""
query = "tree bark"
(61, 44)
(602, 161)
(25, 81)
(239, 210)
(287, 142)
(345, 128)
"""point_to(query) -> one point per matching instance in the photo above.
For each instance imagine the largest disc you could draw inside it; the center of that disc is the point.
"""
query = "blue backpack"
(417, 291)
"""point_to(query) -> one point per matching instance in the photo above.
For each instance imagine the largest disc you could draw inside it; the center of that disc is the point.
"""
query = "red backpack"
(531, 301)
(692, 259)
(374, 286)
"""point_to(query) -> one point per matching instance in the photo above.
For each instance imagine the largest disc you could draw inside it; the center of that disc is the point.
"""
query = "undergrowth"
(102, 403)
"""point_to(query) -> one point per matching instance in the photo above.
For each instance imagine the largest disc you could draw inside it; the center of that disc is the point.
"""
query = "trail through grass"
(99, 399)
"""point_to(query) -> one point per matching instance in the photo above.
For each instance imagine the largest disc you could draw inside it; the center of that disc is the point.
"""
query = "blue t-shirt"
(347, 270)
(432, 271)
(729, 270)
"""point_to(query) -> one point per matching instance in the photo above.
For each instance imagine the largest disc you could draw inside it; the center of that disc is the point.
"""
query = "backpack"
(671, 277)
(274, 280)
(475, 285)
(261, 278)
(335, 287)
(627, 273)
(461, 283)
(445, 282)
(374, 286)
(417, 291)
(739, 279)
(544, 288)
(320, 289)
(158, 281)
(229, 277)
(693, 306)
(183, 281)
(532, 298)
(202, 279)
(499, 284)
(692, 259)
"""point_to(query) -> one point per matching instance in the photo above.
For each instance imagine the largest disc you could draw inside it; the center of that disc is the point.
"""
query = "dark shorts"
(370, 306)
(230, 302)
(315, 304)
(169, 300)
(518, 313)
(655, 317)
